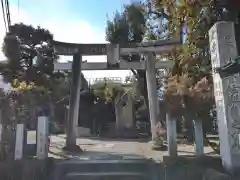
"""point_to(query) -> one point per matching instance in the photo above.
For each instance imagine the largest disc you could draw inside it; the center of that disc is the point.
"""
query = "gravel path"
(131, 147)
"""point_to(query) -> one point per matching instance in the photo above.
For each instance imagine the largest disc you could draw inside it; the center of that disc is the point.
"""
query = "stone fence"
(25, 140)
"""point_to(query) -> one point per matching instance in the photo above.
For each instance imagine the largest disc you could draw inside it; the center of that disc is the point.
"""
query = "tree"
(192, 62)
(19, 106)
(132, 26)
(128, 27)
(189, 85)
(59, 93)
(107, 91)
(29, 67)
(29, 55)
(106, 95)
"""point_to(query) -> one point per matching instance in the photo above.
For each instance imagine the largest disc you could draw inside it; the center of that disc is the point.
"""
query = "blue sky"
(79, 21)
(94, 11)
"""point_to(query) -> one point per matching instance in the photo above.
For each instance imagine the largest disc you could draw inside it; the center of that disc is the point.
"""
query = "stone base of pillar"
(72, 148)
(162, 147)
(158, 146)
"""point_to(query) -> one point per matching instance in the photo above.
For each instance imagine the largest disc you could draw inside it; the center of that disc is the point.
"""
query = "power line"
(8, 13)
(3, 11)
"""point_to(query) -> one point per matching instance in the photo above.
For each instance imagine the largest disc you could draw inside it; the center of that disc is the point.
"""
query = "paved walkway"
(117, 146)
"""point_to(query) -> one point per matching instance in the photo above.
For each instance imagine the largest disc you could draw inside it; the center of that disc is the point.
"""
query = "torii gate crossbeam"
(123, 65)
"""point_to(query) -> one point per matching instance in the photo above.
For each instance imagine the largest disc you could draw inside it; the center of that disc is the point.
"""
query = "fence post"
(171, 136)
(1, 129)
(198, 136)
(42, 137)
(19, 142)
(1, 140)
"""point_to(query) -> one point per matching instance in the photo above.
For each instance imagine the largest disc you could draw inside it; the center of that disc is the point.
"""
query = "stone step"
(106, 176)
(102, 166)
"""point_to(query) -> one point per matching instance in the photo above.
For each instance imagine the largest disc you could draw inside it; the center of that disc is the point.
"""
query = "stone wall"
(179, 168)
(26, 169)
(194, 168)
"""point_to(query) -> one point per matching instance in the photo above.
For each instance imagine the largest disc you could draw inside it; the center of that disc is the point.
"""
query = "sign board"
(62, 48)
(93, 49)
(31, 137)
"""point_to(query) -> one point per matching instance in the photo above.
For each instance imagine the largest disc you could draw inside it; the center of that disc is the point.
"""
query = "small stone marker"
(171, 136)
(42, 137)
(198, 134)
(19, 142)
(1, 132)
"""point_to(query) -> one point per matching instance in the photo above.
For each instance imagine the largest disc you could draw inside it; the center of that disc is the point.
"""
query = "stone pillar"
(227, 93)
(1, 139)
(42, 137)
(198, 135)
(128, 119)
(171, 136)
(152, 91)
(19, 142)
(73, 113)
(118, 112)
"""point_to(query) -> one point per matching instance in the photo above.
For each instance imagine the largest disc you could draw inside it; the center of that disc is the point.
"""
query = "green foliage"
(160, 135)
(107, 91)
(132, 83)
(192, 61)
(189, 87)
(29, 55)
(30, 59)
(128, 27)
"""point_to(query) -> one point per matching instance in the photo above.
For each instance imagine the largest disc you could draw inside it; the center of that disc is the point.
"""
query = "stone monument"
(227, 93)
(124, 114)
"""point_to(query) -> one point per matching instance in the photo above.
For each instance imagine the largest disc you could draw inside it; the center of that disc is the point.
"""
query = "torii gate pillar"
(73, 113)
(151, 89)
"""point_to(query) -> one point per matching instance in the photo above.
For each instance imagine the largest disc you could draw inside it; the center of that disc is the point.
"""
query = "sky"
(77, 21)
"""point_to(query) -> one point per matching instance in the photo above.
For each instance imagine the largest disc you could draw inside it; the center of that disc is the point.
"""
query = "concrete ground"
(118, 146)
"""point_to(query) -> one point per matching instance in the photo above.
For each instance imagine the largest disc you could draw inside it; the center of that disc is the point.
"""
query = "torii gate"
(114, 62)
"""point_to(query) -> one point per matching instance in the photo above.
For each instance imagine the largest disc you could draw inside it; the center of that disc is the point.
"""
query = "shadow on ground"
(145, 139)
(93, 155)
(120, 139)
